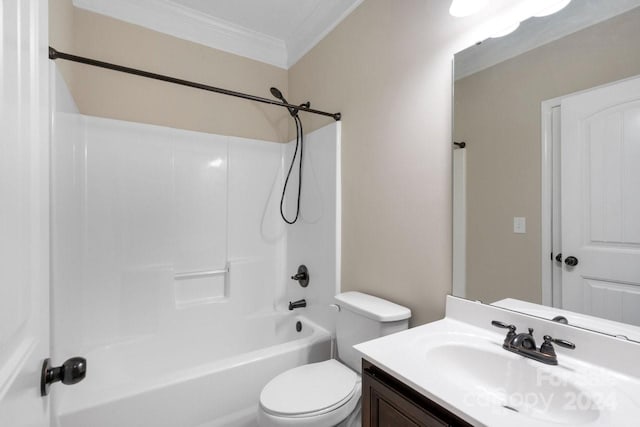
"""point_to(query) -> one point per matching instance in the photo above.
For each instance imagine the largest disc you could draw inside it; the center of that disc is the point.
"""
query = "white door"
(24, 211)
(601, 201)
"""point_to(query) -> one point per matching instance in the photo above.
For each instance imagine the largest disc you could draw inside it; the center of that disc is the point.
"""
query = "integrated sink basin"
(498, 380)
(459, 363)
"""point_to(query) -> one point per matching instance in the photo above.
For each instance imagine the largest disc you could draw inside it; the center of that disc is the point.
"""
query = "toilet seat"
(317, 394)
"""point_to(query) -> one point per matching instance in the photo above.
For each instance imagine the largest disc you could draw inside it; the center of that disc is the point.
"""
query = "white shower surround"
(134, 205)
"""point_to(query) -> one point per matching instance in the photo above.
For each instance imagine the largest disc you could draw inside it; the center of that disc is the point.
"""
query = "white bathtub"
(189, 381)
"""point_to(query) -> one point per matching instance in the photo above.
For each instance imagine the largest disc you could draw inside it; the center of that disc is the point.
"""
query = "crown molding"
(176, 20)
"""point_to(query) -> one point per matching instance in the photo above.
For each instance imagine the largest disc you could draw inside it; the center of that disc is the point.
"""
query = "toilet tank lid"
(373, 307)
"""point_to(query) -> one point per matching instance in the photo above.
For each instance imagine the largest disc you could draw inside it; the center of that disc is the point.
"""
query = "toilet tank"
(362, 318)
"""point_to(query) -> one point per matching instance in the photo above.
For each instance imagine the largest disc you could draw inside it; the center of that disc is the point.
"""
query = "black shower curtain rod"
(54, 54)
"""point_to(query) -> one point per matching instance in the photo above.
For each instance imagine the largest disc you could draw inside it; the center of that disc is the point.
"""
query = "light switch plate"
(519, 225)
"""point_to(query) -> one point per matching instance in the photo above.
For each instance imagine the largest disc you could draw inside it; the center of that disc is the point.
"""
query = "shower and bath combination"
(156, 323)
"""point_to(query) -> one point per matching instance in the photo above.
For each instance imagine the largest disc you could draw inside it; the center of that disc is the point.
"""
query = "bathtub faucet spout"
(297, 304)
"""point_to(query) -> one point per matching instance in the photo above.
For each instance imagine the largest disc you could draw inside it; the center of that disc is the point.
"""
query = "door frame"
(546, 193)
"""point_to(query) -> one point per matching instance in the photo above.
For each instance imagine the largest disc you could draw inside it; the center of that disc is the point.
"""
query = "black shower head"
(277, 94)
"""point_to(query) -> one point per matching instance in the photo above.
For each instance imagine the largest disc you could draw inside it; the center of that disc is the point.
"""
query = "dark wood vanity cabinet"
(388, 402)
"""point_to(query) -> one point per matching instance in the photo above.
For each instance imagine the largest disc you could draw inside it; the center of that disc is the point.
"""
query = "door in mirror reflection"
(600, 202)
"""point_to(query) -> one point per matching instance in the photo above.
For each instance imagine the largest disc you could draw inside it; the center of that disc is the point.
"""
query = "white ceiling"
(278, 32)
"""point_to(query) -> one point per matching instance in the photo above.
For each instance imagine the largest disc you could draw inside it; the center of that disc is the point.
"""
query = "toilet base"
(355, 419)
(348, 415)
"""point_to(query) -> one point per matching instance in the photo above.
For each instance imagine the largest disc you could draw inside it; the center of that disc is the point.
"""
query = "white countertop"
(459, 363)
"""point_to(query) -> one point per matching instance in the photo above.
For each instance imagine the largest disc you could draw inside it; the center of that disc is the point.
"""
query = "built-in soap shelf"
(200, 273)
(199, 287)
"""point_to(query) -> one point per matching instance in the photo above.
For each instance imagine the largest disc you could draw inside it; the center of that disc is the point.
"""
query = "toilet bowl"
(326, 394)
(315, 395)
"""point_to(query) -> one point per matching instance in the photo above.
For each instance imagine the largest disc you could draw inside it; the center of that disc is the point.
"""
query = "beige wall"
(61, 14)
(115, 95)
(498, 115)
(387, 68)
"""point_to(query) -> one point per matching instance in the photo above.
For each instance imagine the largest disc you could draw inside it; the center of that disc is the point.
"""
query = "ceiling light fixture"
(551, 7)
(505, 30)
(462, 8)
(509, 19)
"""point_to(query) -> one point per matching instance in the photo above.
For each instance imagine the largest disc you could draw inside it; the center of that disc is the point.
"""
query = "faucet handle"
(547, 347)
(561, 343)
(510, 335)
(560, 319)
(498, 324)
(302, 276)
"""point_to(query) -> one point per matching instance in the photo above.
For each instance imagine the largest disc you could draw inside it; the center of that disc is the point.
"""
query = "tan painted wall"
(387, 68)
(115, 95)
(61, 14)
(497, 112)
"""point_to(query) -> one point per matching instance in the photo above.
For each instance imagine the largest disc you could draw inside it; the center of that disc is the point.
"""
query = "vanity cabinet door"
(387, 402)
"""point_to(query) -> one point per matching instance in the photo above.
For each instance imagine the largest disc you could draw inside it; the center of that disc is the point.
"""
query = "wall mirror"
(547, 167)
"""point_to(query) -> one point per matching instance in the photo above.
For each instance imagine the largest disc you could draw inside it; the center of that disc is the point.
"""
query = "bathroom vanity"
(456, 372)
(387, 401)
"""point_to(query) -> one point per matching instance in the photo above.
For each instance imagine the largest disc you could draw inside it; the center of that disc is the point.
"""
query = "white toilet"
(328, 393)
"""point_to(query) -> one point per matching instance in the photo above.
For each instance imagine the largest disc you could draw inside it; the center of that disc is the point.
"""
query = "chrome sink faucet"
(525, 345)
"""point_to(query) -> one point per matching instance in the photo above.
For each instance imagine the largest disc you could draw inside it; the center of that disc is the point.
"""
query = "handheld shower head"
(277, 94)
(299, 144)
